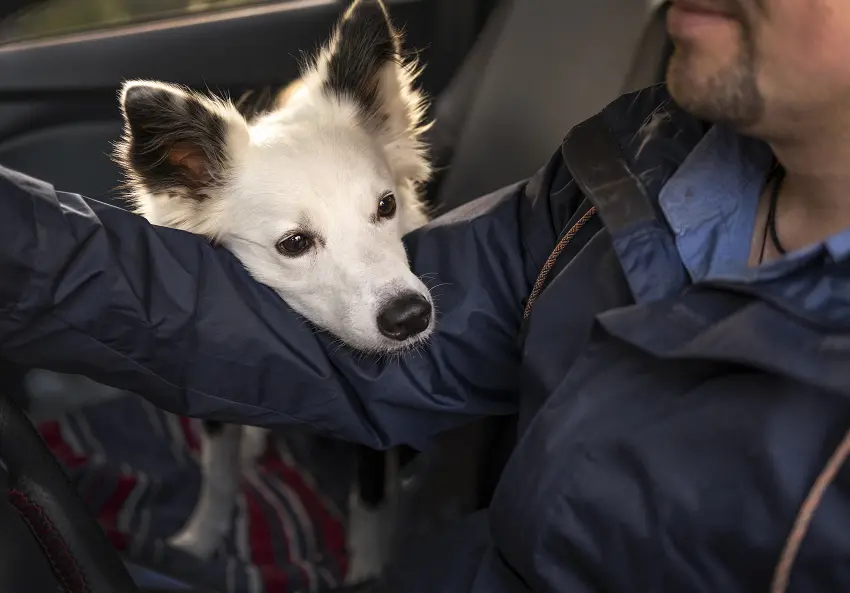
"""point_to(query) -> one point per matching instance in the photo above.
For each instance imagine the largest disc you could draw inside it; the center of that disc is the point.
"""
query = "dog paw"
(367, 540)
(255, 441)
(193, 542)
(361, 570)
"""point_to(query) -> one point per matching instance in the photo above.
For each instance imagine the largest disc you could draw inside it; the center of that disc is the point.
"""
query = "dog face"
(313, 197)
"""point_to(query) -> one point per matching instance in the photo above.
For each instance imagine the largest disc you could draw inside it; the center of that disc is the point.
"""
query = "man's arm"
(91, 289)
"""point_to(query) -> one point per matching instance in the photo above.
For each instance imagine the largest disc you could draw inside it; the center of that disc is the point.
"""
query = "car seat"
(49, 540)
(497, 122)
(549, 64)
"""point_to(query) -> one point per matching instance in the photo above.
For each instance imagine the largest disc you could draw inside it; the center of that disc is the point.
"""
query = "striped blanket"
(137, 469)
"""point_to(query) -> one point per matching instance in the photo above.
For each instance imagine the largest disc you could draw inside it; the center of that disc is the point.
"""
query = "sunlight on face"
(760, 65)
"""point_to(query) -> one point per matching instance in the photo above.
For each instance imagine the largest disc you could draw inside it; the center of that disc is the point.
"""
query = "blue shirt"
(711, 204)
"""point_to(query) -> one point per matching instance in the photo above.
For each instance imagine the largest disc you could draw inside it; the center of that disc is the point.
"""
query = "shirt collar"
(710, 204)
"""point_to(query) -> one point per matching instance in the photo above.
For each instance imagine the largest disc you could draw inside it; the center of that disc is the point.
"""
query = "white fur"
(220, 471)
(315, 165)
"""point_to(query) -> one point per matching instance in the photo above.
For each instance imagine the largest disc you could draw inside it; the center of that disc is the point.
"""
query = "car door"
(62, 61)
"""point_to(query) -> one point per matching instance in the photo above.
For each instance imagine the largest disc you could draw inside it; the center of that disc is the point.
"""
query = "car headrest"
(649, 64)
(554, 64)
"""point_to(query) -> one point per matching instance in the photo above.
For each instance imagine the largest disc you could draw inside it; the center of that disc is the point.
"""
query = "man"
(682, 374)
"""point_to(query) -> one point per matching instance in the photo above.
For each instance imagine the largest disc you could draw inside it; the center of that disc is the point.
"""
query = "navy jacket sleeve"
(92, 289)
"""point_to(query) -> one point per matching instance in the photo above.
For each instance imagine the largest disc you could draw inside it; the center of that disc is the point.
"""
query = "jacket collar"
(623, 157)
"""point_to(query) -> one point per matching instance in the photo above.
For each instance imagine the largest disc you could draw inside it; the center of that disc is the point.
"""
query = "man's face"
(763, 66)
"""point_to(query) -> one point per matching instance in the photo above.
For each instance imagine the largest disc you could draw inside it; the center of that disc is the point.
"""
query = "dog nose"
(405, 317)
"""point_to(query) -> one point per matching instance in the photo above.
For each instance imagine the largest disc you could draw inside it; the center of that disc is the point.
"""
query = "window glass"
(62, 17)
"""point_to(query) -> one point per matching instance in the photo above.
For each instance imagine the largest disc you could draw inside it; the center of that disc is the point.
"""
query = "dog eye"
(294, 245)
(387, 205)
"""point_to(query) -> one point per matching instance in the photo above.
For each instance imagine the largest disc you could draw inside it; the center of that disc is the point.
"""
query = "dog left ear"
(363, 63)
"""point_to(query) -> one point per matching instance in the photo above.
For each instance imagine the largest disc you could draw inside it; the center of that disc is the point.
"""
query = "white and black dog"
(313, 196)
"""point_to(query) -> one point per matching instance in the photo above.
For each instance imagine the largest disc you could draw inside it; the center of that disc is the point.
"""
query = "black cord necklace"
(776, 177)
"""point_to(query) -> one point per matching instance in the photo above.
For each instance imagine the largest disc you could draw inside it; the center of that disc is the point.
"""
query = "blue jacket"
(669, 431)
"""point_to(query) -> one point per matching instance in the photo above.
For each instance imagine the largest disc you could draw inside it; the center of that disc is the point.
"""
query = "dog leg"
(221, 476)
(254, 443)
(370, 527)
(364, 541)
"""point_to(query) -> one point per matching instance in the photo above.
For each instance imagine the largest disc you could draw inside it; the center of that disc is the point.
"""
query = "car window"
(55, 18)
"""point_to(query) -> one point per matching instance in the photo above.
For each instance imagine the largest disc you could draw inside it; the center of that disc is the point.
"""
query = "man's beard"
(730, 96)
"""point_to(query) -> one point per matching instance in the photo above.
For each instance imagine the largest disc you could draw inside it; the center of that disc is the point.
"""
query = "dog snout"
(405, 317)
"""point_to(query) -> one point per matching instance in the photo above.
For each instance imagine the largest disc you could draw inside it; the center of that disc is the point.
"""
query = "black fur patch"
(254, 104)
(367, 42)
(158, 120)
(212, 428)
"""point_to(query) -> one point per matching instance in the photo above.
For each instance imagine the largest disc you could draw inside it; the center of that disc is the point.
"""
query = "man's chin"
(735, 102)
(686, 88)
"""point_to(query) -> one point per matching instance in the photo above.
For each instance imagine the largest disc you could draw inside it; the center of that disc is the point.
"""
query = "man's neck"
(814, 201)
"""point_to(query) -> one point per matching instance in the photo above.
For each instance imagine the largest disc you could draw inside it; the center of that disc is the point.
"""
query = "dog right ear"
(363, 64)
(177, 143)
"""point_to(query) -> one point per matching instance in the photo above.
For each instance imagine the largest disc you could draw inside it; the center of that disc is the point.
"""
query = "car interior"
(508, 78)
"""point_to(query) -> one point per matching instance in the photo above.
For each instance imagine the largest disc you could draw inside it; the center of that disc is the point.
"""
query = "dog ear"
(176, 142)
(362, 57)
(363, 63)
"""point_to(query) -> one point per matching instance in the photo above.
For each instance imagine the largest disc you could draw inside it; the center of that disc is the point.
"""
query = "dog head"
(314, 196)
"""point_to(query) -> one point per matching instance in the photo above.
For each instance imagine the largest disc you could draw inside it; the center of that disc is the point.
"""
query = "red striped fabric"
(141, 480)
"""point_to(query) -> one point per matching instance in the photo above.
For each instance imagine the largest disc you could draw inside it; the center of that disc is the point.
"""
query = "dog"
(313, 196)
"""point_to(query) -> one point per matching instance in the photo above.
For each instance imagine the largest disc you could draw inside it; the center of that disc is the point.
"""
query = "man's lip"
(689, 18)
(707, 8)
